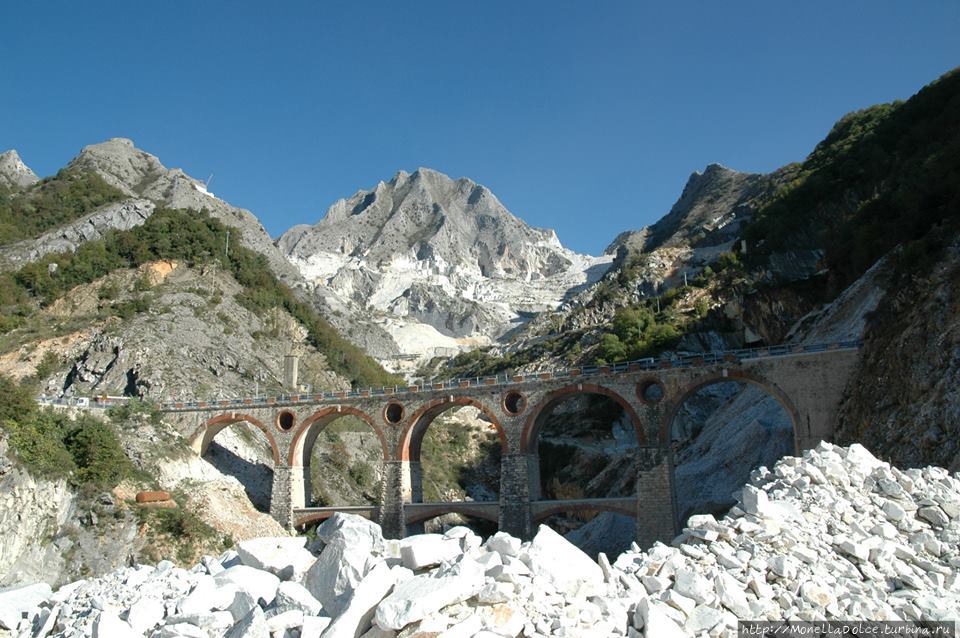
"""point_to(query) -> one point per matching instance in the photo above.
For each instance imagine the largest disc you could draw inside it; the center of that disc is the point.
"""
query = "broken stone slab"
(284, 556)
(337, 572)
(503, 544)
(259, 584)
(934, 515)
(355, 531)
(16, 601)
(653, 618)
(295, 596)
(241, 604)
(561, 562)
(145, 614)
(108, 625)
(466, 628)
(199, 599)
(314, 626)
(356, 617)
(376, 632)
(253, 625)
(703, 618)
(426, 550)
(732, 595)
(506, 620)
(45, 621)
(278, 623)
(693, 585)
(423, 595)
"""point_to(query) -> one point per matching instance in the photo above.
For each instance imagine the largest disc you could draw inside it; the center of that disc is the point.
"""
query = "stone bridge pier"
(809, 386)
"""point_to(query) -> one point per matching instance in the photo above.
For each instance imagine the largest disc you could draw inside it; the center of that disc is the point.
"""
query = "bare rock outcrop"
(117, 216)
(13, 172)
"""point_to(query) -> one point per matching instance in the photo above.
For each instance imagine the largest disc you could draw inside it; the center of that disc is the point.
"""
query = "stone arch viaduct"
(808, 381)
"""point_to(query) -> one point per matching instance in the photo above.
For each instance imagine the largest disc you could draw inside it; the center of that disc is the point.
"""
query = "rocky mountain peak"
(711, 199)
(140, 174)
(121, 164)
(456, 222)
(13, 172)
(438, 251)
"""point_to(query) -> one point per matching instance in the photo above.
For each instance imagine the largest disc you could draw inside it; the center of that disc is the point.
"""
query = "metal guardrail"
(677, 362)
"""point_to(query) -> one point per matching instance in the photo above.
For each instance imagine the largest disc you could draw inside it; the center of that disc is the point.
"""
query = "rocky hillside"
(139, 174)
(911, 368)
(104, 290)
(440, 264)
(835, 535)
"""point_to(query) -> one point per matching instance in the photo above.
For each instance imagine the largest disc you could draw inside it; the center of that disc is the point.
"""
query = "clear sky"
(586, 117)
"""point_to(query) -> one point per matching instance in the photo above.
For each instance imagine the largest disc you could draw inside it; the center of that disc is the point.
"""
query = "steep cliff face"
(442, 261)
(31, 513)
(904, 403)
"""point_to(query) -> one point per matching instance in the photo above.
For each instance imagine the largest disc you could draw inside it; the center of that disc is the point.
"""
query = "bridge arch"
(411, 439)
(598, 507)
(673, 406)
(204, 435)
(358, 463)
(305, 518)
(311, 427)
(426, 514)
(540, 412)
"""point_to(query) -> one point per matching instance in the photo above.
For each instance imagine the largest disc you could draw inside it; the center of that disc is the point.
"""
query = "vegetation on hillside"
(886, 175)
(52, 202)
(196, 239)
(85, 450)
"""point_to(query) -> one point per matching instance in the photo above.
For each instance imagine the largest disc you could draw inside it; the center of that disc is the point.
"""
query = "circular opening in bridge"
(650, 391)
(285, 420)
(514, 403)
(393, 413)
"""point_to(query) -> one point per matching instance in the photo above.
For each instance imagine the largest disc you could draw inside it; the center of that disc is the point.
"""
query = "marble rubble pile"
(834, 534)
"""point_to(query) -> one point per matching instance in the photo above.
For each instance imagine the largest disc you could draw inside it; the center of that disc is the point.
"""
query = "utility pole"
(226, 247)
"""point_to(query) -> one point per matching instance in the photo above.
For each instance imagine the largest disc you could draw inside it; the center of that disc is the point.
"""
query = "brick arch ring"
(531, 429)
(770, 388)
(306, 434)
(204, 435)
(412, 435)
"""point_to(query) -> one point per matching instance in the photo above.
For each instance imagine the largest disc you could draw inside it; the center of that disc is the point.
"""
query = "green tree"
(97, 453)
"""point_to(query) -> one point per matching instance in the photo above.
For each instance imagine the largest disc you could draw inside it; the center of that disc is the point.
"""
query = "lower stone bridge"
(414, 513)
(807, 380)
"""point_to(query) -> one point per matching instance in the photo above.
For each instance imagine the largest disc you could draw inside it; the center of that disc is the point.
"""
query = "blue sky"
(585, 117)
